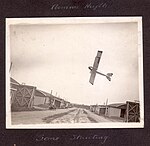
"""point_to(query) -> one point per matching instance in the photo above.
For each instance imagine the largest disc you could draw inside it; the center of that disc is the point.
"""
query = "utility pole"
(106, 110)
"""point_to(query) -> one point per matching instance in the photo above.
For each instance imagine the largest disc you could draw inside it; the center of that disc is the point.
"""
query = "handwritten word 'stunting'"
(102, 139)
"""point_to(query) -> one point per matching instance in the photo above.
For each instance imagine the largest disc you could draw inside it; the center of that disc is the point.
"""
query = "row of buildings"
(111, 110)
(24, 97)
(128, 112)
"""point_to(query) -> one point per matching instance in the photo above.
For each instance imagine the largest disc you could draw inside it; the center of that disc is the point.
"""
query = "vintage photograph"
(74, 72)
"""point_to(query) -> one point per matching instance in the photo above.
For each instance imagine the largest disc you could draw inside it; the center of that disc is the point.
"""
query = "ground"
(70, 115)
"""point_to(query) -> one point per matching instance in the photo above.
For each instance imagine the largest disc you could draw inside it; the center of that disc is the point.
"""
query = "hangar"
(25, 97)
(116, 110)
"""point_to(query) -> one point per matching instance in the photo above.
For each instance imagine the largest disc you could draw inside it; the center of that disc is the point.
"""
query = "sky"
(57, 56)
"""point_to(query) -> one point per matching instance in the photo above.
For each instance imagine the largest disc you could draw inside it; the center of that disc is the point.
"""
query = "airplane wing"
(95, 66)
(92, 77)
(97, 60)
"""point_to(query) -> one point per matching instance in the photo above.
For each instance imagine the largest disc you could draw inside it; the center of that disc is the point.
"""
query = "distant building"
(100, 109)
(111, 110)
(129, 111)
(116, 110)
(53, 101)
(93, 108)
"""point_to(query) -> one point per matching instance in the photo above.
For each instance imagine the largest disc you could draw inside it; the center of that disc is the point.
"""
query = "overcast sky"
(56, 57)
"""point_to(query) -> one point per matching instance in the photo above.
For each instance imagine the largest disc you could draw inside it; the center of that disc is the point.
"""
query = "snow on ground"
(100, 118)
(34, 117)
(96, 117)
(70, 115)
(69, 118)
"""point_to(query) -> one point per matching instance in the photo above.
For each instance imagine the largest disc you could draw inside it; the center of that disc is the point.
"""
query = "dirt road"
(71, 115)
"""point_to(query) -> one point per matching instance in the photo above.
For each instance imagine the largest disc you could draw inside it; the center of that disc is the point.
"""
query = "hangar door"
(133, 112)
(23, 96)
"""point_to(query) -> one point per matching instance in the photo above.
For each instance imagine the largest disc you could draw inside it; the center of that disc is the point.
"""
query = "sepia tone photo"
(74, 72)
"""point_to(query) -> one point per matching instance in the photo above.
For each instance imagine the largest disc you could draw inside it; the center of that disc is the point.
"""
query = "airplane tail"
(109, 75)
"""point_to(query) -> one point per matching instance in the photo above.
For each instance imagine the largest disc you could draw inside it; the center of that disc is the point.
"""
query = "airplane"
(93, 70)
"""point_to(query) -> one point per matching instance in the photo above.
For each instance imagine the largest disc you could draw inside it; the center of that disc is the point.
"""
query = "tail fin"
(109, 75)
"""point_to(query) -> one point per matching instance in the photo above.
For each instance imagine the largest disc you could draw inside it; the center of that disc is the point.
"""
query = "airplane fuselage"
(91, 68)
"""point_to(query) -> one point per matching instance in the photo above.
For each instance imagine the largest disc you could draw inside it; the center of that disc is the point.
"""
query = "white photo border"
(74, 20)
